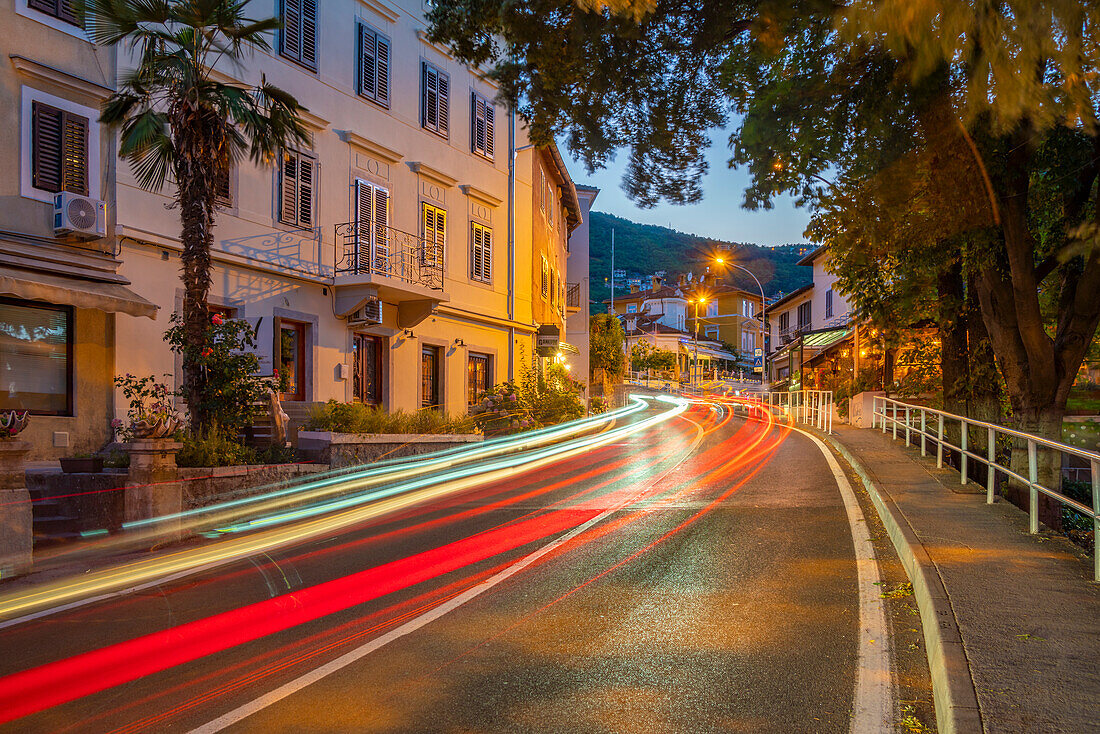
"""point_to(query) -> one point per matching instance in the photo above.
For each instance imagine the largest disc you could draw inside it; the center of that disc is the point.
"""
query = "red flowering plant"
(152, 412)
(229, 367)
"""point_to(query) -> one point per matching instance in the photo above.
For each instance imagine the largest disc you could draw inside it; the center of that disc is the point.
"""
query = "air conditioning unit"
(78, 215)
(370, 313)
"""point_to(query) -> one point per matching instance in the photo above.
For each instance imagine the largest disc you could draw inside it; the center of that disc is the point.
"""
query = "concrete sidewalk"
(1012, 620)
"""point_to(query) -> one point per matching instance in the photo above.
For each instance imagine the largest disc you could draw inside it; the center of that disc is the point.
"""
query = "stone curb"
(956, 700)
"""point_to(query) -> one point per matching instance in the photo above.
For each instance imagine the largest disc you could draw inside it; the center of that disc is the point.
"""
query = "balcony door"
(372, 228)
(367, 375)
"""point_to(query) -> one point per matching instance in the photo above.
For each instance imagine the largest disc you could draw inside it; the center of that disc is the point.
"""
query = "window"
(748, 309)
(367, 369)
(748, 342)
(429, 377)
(434, 99)
(223, 189)
(482, 125)
(36, 361)
(434, 223)
(632, 308)
(481, 253)
(545, 278)
(297, 190)
(374, 66)
(372, 232)
(712, 309)
(829, 303)
(480, 376)
(804, 315)
(784, 321)
(550, 202)
(61, 9)
(59, 150)
(299, 34)
(292, 359)
(710, 332)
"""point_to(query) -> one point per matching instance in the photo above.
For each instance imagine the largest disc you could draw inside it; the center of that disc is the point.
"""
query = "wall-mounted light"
(408, 333)
(459, 343)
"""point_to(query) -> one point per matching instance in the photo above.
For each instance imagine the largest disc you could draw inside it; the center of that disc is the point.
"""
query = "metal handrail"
(573, 295)
(910, 413)
(366, 248)
(813, 407)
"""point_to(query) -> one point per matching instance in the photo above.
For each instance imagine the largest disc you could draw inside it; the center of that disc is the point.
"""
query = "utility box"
(861, 408)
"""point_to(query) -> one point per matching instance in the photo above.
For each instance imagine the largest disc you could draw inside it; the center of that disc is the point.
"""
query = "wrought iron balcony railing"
(573, 295)
(365, 248)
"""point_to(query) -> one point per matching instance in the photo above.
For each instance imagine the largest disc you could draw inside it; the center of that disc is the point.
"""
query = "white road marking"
(307, 679)
(873, 701)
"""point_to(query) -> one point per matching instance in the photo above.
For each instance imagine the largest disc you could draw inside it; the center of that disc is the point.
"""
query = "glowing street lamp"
(719, 260)
(695, 367)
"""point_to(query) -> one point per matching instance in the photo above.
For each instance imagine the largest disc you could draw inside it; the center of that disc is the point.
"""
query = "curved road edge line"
(953, 690)
(873, 700)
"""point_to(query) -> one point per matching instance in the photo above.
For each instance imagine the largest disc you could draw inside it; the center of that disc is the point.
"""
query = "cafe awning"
(79, 292)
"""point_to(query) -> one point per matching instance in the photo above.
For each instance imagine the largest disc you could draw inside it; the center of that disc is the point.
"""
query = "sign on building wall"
(547, 340)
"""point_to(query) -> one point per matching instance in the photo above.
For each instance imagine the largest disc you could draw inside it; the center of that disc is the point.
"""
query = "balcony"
(375, 261)
(572, 298)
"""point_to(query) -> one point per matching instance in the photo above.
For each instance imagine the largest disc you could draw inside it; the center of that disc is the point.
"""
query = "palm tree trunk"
(197, 138)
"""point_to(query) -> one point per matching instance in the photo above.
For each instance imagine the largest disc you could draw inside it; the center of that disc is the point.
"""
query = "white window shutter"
(364, 207)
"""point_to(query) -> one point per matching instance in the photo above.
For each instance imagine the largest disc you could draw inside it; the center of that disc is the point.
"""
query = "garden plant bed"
(350, 449)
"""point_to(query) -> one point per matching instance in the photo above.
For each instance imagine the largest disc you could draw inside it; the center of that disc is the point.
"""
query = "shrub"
(532, 401)
(358, 418)
(597, 406)
(229, 365)
(214, 447)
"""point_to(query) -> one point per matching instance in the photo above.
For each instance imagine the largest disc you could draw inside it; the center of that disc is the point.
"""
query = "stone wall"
(351, 449)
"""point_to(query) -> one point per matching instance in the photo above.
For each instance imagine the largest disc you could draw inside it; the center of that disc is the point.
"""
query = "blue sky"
(718, 215)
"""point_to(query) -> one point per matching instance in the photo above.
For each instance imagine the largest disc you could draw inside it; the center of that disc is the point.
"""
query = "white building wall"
(267, 269)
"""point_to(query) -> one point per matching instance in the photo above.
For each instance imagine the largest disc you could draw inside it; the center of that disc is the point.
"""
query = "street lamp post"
(763, 319)
(695, 366)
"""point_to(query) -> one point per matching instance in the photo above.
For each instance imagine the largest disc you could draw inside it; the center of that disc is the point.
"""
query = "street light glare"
(720, 260)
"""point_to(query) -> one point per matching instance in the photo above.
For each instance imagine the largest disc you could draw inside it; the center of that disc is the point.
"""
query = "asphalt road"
(697, 576)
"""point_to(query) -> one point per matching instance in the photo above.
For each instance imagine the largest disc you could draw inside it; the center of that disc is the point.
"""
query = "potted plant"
(82, 462)
(151, 413)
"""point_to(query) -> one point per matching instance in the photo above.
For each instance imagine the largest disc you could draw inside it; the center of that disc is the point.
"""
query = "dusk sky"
(719, 215)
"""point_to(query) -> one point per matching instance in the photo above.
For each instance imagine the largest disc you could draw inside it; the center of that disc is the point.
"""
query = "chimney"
(681, 280)
(633, 287)
(655, 282)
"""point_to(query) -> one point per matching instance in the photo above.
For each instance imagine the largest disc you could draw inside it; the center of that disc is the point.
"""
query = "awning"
(58, 289)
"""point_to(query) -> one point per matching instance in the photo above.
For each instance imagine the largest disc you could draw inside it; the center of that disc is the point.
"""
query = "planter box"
(351, 449)
(86, 465)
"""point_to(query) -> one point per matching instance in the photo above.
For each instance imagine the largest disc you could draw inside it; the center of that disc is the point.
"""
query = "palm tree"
(175, 118)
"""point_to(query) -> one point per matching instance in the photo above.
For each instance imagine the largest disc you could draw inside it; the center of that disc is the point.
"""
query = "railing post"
(923, 431)
(906, 425)
(894, 419)
(939, 444)
(1032, 480)
(883, 416)
(964, 433)
(991, 473)
(1096, 519)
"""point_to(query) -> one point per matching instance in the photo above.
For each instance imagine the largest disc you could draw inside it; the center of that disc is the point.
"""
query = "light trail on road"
(743, 454)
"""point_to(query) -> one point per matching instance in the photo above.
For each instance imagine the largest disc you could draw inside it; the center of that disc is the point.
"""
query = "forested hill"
(642, 249)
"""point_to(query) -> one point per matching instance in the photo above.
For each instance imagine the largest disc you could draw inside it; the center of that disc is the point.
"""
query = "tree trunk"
(953, 350)
(198, 138)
